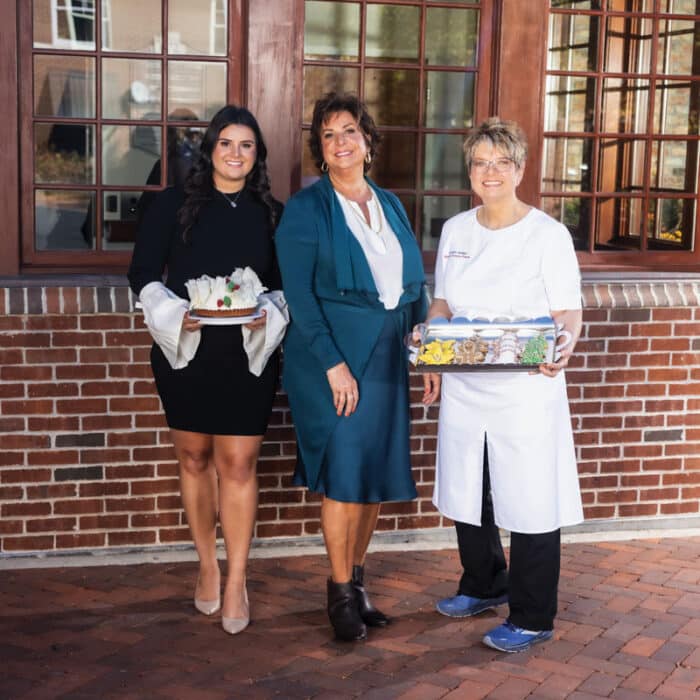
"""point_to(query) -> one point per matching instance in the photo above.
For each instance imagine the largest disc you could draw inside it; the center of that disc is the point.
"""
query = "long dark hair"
(199, 184)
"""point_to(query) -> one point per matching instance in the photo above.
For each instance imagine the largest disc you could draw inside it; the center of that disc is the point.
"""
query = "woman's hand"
(571, 321)
(431, 387)
(189, 324)
(432, 381)
(258, 322)
(415, 337)
(344, 388)
(551, 369)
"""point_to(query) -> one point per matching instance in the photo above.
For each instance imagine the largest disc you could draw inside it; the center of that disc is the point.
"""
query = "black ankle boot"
(369, 614)
(343, 612)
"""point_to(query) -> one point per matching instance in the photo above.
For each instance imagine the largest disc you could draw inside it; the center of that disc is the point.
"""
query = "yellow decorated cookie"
(437, 352)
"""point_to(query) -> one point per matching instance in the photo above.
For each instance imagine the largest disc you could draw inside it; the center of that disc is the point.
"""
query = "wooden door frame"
(523, 54)
(9, 140)
(269, 82)
(274, 85)
(274, 80)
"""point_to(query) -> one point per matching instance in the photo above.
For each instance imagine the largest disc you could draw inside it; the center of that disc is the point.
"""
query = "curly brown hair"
(332, 103)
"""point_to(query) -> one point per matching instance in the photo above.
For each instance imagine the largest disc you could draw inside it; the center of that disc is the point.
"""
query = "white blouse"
(380, 246)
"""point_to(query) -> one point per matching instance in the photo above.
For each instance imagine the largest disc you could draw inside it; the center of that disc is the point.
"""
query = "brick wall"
(634, 389)
(85, 461)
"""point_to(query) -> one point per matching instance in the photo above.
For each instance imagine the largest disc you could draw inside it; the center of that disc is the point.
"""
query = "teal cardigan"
(336, 315)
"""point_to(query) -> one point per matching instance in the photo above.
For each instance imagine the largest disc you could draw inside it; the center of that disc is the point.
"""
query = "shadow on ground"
(628, 628)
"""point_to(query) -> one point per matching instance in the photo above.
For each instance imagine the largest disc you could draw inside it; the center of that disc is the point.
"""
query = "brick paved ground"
(629, 628)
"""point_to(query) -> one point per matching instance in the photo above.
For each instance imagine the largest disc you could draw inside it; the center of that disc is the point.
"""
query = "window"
(620, 158)
(114, 95)
(424, 75)
(70, 24)
(121, 93)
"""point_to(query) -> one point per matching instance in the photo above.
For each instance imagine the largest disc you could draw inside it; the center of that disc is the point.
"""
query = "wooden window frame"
(268, 57)
(9, 135)
(642, 258)
(94, 261)
(482, 70)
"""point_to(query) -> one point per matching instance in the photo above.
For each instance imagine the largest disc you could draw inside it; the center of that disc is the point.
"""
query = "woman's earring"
(368, 158)
(324, 167)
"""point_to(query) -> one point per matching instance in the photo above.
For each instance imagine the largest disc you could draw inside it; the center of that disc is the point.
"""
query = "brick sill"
(49, 281)
(94, 280)
(90, 294)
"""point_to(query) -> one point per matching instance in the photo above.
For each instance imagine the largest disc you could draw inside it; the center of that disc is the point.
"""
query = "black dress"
(215, 393)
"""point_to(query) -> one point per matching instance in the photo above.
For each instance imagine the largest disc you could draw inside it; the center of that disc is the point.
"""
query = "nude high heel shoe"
(206, 607)
(234, 625)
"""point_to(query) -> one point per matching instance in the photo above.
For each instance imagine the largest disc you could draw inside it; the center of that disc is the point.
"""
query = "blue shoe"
(466, 605)
(508, 637)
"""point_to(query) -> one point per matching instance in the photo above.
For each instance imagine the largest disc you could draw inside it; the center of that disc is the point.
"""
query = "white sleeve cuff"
(259, 344)
(163, 312)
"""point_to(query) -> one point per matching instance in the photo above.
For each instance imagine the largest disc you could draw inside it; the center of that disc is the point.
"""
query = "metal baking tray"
(468, 345)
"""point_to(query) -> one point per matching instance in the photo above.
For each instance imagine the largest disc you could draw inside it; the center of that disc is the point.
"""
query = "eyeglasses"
(500, 165)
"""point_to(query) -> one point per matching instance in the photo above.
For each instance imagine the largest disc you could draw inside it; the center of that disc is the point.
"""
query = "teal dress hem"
(368, 456)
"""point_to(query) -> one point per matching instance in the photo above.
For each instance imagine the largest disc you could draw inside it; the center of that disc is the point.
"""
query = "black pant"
(532, 582)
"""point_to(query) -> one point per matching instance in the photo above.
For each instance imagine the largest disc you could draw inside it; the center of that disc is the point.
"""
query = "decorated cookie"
(437, 352)
(535, 351)
(471, 351)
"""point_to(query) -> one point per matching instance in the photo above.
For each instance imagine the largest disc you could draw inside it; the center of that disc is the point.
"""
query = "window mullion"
(99, 196)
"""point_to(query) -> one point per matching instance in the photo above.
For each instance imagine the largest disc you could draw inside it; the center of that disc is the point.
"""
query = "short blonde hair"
(505, 135)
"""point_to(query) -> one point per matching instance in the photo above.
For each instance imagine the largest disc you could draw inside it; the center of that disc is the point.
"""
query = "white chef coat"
(522, 271)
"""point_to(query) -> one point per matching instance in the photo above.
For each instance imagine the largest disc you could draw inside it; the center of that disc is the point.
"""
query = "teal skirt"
(368, 456)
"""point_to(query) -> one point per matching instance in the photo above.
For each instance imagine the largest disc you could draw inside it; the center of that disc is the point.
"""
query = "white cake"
(234, 295)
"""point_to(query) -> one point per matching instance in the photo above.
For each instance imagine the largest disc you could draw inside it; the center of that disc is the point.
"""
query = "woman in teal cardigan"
(353, 277)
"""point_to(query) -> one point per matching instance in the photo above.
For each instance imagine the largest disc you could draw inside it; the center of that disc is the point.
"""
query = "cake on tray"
(225, 297)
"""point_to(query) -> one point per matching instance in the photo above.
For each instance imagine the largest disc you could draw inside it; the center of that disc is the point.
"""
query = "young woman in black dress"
(216, 409)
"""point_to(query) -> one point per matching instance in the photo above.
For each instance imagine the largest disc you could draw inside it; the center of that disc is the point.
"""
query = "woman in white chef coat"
(505, 446)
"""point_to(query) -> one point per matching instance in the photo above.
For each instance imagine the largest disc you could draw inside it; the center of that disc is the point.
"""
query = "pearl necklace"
(233, 202)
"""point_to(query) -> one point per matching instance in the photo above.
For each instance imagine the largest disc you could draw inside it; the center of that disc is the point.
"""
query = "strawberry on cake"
(223, 297)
